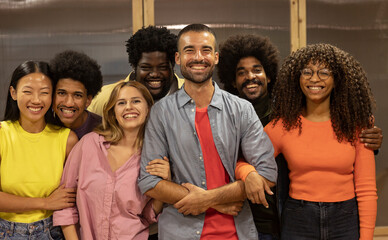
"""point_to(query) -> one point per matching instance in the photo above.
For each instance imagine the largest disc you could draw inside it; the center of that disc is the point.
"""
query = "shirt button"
(195, 133)
(192, 101)
(198, 232)
(193, 110)
(200, 158)
(203, 183)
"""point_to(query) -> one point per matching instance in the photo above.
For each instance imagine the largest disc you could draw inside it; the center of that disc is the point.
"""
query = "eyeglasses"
(308, 73)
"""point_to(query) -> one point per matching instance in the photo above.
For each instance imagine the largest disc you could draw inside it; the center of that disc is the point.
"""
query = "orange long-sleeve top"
(325, 170)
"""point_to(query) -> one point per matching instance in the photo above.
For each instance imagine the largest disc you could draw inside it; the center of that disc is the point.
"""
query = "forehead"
(128, 92)
(155, 57)
(34, 79)
(70, 85)
(316, 64)
(247, 62)
(196, 39)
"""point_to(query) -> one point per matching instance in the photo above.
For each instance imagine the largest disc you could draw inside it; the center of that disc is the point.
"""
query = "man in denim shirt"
(201, 128)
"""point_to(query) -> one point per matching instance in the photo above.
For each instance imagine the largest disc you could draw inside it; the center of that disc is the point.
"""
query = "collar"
(217, 100)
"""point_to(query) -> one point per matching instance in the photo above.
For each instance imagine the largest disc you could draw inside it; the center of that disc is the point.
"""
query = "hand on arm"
(61, 198)
(226, 199)
(255, 188)
(372, 138)
(161, 168)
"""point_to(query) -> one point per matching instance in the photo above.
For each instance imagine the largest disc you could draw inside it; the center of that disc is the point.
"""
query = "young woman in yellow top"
(32, 155)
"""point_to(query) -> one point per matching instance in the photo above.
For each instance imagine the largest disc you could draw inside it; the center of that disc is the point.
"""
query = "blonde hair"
(110, 128)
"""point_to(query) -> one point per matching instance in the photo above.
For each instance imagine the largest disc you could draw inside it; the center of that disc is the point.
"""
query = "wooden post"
(149, 12)
(142, 14)
(297, 24)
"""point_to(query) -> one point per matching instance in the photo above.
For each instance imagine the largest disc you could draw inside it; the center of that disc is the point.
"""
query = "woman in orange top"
(322, 101)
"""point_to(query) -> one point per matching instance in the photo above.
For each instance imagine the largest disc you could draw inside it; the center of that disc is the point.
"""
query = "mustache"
(252, 81)
(71, 108)
(199, 62)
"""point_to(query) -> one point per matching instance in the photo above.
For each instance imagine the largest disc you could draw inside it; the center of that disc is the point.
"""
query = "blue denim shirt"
(170, 132)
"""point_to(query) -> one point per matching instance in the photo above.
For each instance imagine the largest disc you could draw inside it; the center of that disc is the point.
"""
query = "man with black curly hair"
(77, 79)
(248, 68)
(151, 52)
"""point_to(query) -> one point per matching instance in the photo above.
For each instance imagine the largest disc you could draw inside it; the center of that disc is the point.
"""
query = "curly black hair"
(151, 39)
(351, 100)
(77, 66)
(240, 46)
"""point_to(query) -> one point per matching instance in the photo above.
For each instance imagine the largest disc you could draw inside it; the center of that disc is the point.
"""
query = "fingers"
(160, 168)
(263, 200)
(372, 137)
(267, 188)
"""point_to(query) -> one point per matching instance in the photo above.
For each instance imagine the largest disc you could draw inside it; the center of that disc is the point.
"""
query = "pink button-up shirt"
(109, 204)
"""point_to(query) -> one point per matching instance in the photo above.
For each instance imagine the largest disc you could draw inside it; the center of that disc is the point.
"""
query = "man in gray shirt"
(201, 128)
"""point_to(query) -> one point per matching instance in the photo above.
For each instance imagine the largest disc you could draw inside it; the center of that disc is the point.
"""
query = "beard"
(197, 78)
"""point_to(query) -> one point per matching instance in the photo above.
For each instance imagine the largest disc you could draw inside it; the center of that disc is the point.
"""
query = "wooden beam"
(137, 15)
(149, 13)
(381, 233)
(297, 24)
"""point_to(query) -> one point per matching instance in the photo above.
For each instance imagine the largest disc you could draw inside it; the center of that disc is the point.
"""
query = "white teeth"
(315, 88)
(130, 116)
(67, 111)
(198, 67)
(34, 109)
(155, 83)
(251, 86)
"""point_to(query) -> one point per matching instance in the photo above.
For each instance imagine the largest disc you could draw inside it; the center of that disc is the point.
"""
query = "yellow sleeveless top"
(31, 165)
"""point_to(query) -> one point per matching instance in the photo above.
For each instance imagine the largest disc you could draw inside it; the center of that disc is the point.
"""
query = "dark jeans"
(267, 236)
(304, 220)
(40, 230)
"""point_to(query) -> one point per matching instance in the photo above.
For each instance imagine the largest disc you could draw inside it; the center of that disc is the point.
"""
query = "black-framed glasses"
(323, 74)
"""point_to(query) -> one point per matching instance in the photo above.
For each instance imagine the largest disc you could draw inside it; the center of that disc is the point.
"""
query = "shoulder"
(236, 102)
(91, 137)
(95, 117)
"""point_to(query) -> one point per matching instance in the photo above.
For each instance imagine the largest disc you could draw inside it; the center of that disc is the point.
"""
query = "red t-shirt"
(216, 225)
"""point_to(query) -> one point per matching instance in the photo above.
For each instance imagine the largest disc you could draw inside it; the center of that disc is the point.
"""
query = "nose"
(314, 77)
(198, 56)
(35, 98)
(128, 105)
(154, 72)
(69, 101)
(250, 75)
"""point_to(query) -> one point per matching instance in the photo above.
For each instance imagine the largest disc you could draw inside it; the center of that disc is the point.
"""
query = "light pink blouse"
(109, 204)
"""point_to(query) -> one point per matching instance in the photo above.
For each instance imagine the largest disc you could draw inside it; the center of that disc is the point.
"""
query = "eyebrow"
(63, 90)
(123, 99)
(255, 66)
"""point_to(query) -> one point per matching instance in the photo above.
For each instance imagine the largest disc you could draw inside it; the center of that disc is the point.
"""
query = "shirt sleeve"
(243, 169)
(69, 216)
(256, 146)
(365, 187)
(149, 213)
(154, 147)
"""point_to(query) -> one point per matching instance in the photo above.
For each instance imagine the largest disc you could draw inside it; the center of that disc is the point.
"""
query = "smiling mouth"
(315, 88)
(130, 116)
(154, 83)
(67, 112)
(35, 109)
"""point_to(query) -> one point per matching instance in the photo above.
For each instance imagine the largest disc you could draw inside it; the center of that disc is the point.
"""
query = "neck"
(32, 127)
(201, 93)
(129, 139)
(79, 121)
(317, 112)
